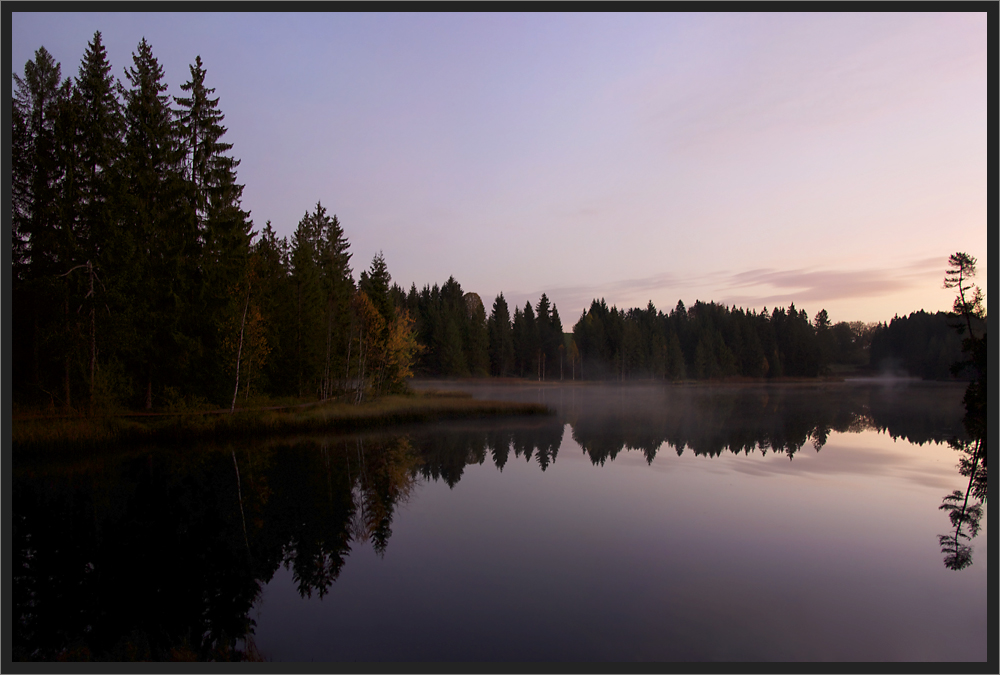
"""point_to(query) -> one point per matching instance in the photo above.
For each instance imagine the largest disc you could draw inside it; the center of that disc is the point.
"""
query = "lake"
(644, 522)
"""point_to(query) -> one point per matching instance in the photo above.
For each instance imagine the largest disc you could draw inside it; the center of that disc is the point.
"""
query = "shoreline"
(38, 433)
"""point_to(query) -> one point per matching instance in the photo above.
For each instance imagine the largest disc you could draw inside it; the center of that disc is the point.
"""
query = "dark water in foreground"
(639, 523)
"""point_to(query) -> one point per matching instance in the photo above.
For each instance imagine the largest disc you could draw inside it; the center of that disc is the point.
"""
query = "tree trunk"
(35, 341)
(347, 371)
(361, 366)
(239, 352)
(93, 333)
(66, 356)
(329, 339)
(246, 387)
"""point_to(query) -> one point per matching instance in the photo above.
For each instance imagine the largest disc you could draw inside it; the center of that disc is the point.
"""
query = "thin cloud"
(753, 288)
(823, 285)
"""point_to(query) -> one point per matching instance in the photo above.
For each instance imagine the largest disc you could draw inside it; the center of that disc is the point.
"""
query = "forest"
(139, 281)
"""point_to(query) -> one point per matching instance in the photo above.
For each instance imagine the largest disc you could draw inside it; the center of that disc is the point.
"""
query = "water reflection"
(160, 553)
(964, 516)
(709, 421)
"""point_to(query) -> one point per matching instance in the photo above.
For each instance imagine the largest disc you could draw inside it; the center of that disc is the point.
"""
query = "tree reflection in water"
(144, 555)
(160, 553)
(964, 516)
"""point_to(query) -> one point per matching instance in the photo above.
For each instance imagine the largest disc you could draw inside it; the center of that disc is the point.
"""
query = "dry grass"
(34, 432)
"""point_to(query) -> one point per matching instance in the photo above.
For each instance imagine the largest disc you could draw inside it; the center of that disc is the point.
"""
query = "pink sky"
(831, 160)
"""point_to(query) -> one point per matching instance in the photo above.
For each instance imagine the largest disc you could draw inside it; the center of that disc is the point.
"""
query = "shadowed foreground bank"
(32, 434)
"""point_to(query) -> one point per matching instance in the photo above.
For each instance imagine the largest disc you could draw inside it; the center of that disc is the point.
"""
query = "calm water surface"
(640, 523)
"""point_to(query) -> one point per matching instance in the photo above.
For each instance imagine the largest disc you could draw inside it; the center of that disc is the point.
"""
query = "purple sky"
(833, 160)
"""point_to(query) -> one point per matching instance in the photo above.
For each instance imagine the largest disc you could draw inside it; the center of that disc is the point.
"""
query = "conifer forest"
(139, 281)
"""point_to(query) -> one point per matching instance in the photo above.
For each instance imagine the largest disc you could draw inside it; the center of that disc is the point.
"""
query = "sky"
(830, 160)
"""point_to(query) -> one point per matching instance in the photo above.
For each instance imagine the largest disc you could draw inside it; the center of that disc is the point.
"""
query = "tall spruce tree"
(501, 338)
(165, 241)
(272, 284)
(36, 220)
(222, 228)
(37, 96)
(526, 342)
(338, 285)
(544, 342)
(475, 336)
(208, 170)
(307, 303)
(104, 244)
(453, 359)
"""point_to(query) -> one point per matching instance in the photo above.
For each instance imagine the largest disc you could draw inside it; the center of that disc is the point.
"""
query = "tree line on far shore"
(704, 341)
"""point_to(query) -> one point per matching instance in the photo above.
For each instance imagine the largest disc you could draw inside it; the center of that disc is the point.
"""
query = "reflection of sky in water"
(831, 555)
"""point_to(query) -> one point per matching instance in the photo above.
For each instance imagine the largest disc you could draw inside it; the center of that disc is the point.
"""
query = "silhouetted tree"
(501, 338)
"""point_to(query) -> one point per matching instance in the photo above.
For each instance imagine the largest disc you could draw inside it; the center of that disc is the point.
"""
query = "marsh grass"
(30, 433)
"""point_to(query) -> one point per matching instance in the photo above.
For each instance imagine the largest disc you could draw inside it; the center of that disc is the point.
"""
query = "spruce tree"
(103, 241)
(165, 243)
(544, 343)
(20, 149)
(208, 170)
(375, 283)
(21, 330)
(221, 228)
(338, 286)
(69, 245)
(307, 305)
(37, 96)
(36, 220)
(556, 338)
(526, 342)
(100, 143)
(450, 336)
(272, 281)
(475, 336)
(501, 346)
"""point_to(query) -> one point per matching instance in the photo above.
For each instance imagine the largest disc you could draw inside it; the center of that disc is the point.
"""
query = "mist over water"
(640, 522)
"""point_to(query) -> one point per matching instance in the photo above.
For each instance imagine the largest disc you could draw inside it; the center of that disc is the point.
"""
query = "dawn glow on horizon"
(830, 160)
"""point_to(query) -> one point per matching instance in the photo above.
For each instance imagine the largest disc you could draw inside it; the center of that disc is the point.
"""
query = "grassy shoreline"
(38, 432)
